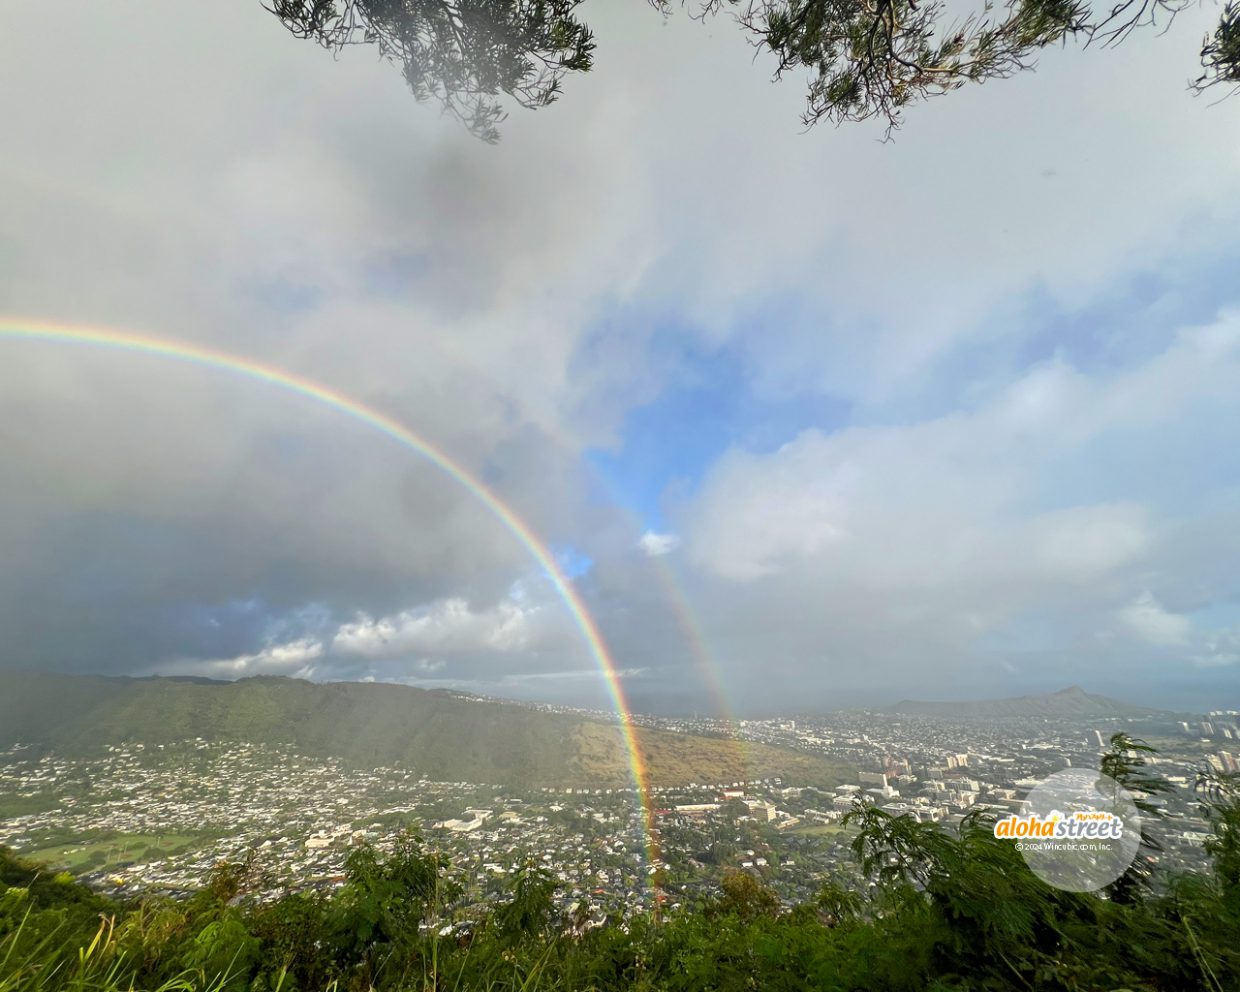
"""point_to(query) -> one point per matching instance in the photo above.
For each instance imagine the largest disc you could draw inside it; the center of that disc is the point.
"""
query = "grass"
(112, 852)
(54, 964)
(12, 806)
(818, 830)
(673, 759)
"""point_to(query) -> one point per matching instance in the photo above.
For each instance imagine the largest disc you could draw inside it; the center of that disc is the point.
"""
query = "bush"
(939, 911)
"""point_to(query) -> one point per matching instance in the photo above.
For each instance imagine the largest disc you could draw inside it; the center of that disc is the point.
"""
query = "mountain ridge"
(369, 724)
(1067, 702)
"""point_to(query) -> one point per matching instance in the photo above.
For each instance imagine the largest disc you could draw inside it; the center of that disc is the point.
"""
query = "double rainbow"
(128, 341)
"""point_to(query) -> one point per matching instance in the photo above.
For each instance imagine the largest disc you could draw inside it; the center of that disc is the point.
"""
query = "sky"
(808, 418)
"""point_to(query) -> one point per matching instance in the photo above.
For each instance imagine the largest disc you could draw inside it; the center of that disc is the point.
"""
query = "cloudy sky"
(809, 418)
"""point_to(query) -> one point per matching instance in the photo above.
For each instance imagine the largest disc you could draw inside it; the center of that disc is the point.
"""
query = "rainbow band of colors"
(21, 329)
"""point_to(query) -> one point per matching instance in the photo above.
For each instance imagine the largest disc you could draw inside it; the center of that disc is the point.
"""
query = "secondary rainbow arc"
(117, 340)
(703, 657)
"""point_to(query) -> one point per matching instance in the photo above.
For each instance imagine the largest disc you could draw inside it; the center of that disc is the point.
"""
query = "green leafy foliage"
(936, 909)
(460, 53)
(1125, 762)
(530, 910)
(864, 58)
(1220, 52)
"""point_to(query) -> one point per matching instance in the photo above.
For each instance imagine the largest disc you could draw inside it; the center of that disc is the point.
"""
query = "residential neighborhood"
(137, 818)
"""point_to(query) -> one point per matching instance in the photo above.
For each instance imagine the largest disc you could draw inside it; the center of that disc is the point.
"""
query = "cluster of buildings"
(183, 808)
(940, 770)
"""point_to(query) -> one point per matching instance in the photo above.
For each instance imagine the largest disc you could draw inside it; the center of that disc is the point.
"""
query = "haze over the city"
(807, 418)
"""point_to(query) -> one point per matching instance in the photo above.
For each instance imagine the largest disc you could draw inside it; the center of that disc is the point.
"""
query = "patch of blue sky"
(1215, 616)
(708, 403)
(573, 562)
(307, 620)
(1127, 323)
(246, 626)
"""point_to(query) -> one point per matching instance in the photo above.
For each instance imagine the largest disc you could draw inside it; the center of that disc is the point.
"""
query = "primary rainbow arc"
(23, 329)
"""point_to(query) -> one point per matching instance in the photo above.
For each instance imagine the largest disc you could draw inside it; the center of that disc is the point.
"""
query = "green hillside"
(371, 724)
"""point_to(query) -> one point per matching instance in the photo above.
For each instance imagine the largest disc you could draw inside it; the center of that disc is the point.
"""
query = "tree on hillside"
(865, 59)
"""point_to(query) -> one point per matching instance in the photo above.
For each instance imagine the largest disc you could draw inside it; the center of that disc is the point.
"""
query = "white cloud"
(656, 545)
(1001, 538)
(421, 640)
(957, 497)
(293, 658)
(1084, 544)
(1221, 649)
(449, 626)
(1149, 620)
